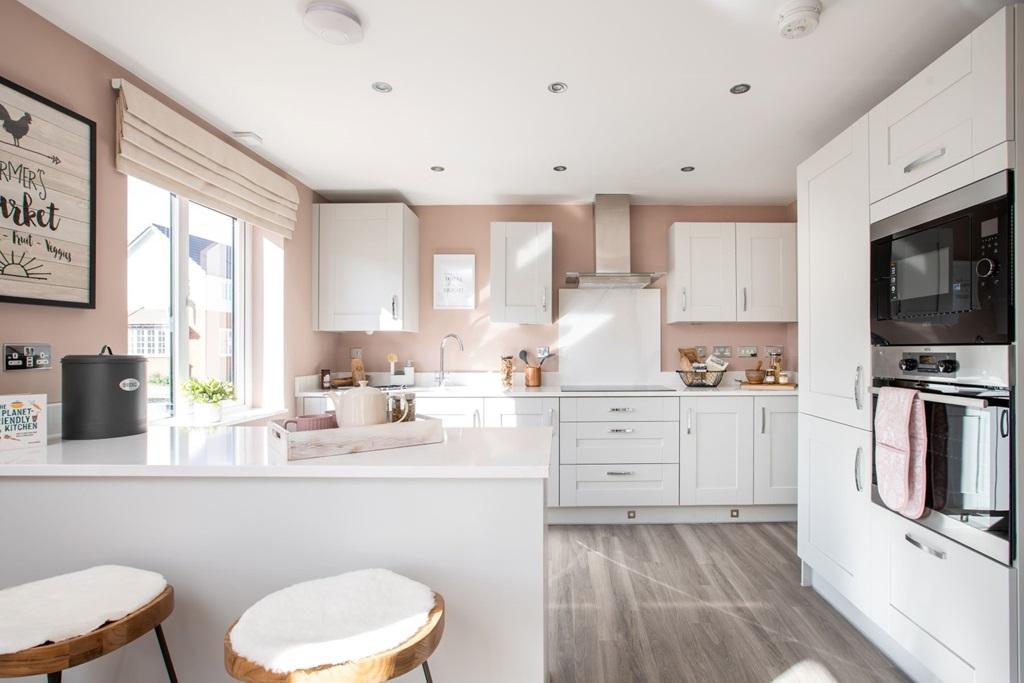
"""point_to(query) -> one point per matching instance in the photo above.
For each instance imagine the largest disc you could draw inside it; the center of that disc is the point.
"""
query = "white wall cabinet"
(775, 450)
(834, 518)
(766, 272)
(833, 275)
(716, 451)
(365, 268)
(731, 271)
(957, 107)
(521, 266)
(508, 411)
(701, 282)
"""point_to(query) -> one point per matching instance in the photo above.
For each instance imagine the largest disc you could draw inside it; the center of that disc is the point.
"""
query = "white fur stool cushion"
(332, 621)
(70, 605)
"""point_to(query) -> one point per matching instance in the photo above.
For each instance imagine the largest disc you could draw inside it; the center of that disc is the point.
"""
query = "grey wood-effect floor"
(703, 602)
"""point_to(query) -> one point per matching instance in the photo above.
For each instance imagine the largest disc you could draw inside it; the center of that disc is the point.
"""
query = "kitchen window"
(186, 295)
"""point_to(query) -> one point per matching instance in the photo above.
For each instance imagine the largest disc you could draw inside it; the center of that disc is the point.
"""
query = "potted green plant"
(207, 396)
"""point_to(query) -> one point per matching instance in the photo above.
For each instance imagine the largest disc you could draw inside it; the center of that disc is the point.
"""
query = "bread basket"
(701, 378)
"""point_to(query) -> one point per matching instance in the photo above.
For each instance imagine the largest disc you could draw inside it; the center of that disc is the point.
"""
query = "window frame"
(241, 315)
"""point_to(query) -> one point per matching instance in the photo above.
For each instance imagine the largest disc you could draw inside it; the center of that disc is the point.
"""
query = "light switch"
(355, 352)
(702, 351)
(27, 357)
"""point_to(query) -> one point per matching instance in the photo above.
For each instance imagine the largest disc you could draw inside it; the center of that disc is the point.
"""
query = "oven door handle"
(929, 397)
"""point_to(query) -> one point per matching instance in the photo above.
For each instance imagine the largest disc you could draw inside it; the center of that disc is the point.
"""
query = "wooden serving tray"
(320, 443)
(768, 387)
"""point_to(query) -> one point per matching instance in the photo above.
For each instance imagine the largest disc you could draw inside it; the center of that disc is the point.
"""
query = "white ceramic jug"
(361, 406)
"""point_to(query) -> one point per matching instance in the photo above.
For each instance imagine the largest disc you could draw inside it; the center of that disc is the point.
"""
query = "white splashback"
(609, 336)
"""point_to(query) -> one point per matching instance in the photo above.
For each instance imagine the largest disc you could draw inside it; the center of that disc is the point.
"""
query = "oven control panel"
(929, 364)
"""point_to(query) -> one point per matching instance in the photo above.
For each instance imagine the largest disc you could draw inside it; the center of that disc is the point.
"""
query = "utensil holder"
(532, 376)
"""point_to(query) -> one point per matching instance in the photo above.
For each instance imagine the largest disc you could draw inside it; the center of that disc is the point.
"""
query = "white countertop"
(556, 392)
(500, 453)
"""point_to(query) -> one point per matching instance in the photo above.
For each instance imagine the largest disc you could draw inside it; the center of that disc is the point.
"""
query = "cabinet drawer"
(619, 442)
(957, 107)
(616, 485)
(941, 593)
(620, 409)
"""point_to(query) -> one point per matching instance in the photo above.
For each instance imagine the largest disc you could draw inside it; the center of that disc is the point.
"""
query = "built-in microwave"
(942, 272)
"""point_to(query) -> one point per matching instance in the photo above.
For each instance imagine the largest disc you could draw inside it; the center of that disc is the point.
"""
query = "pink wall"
(46, 60)
(466, 230)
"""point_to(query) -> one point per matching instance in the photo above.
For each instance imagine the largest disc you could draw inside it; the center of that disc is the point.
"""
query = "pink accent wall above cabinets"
(467, 230)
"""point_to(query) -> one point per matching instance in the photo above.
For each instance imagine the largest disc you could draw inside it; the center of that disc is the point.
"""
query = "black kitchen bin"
(103, 395)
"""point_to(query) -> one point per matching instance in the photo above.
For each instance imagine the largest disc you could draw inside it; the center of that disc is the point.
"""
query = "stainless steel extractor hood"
(611, 249)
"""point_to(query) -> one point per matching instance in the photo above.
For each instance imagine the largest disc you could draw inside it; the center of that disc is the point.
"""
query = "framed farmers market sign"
(47, 201)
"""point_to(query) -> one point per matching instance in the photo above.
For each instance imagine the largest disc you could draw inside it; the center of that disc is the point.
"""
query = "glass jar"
(507, 364)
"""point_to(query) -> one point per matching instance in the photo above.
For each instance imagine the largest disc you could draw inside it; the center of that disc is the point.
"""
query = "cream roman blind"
(160, 146)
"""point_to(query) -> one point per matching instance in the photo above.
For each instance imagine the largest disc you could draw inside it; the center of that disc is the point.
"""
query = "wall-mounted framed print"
(47, 201)
(454, 281)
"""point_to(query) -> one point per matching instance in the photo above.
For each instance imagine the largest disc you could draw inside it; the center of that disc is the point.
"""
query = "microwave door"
(931, 271)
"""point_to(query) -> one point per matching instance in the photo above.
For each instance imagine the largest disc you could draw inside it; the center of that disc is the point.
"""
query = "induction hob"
(628, 388)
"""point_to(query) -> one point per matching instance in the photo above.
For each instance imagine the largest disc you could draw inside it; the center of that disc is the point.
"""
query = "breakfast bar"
(227, 522)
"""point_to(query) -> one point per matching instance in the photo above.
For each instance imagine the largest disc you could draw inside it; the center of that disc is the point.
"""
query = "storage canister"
(103, 395)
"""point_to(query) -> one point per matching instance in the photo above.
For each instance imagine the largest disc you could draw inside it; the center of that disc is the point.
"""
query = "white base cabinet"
(947, 605)
(508, 411)
(834, 518)
(619, 485)
(775, 450)
(454, 412)
(716, 451)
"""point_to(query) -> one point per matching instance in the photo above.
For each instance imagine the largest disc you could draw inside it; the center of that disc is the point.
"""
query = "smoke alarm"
(797, 18)
(333, 22)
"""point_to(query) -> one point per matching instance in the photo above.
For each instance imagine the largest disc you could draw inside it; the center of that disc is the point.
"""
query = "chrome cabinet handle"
(619, 473)
(684, 298)
(941, 554)
(476, 417)
(924, 159)
(856, 470)
(620, 430)
(394, 307)
(744, 298)
(620, 410)
(764, 419)
(689, 420)
(544, 300)
(856, 387)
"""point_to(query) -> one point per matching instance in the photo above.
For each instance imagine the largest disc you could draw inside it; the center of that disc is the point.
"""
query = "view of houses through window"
(181, 292)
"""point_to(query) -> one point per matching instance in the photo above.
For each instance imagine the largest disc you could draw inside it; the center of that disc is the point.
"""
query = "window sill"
(230, 417)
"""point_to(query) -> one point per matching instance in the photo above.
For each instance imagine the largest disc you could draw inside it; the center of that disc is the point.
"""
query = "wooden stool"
(375, 668)
(53, 658)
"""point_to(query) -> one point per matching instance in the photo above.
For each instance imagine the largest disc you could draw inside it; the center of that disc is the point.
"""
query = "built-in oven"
(969, 418)
(942, 273)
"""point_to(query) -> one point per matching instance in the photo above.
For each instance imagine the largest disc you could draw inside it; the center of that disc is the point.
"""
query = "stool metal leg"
(53, 677)
(165, 653)
(426, 673)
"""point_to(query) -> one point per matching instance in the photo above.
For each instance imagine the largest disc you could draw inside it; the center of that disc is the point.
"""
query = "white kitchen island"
(226, 523)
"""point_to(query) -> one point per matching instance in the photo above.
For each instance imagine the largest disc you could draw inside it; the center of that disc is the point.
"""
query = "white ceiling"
(648, 89)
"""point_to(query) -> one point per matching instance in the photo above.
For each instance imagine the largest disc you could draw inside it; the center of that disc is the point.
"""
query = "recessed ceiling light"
(558, 87)
(687, 169)
(333, 22)
(437, 169)
(559, 168)
(740, 88)
(381, 86)
(247, 137)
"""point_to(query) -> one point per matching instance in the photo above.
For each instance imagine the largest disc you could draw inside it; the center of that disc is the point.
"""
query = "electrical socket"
(746, 351)
(722, 351)
(630, 514)
(768, 350)
(702, 351)
(355, 352)
(734, 513)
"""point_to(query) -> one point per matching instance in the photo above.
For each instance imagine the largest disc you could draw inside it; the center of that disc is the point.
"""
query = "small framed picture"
(454, 281)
